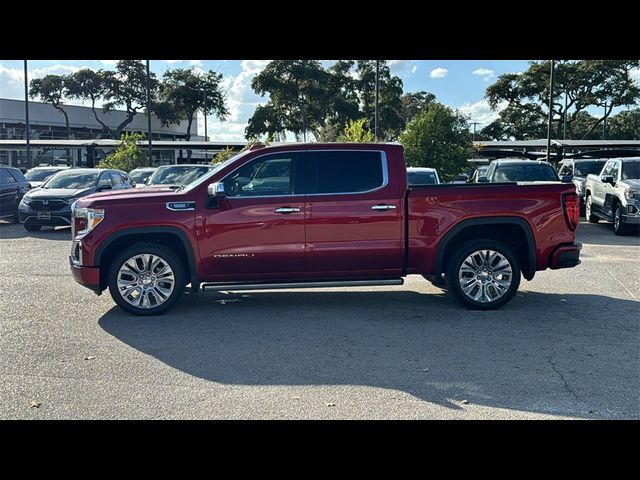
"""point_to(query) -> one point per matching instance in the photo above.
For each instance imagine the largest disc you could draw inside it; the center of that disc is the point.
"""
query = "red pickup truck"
(320, 215)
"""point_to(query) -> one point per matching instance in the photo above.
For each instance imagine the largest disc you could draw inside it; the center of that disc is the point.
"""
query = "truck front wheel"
(588, 210)
(484, 274)
(146, 279)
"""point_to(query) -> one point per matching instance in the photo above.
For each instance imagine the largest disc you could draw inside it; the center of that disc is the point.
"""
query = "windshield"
(631, 170)
(139, 176)
(39, 175)
(421, 178)
(582, 169)
(178, 175)
(216, 168)
(525, 173)
(72, 180)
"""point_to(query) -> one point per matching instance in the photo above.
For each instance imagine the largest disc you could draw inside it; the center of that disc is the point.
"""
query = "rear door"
(353, 215)
(8, 192)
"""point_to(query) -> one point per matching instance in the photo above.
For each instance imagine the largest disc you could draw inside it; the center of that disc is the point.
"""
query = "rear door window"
(116, 178)
(345, 172)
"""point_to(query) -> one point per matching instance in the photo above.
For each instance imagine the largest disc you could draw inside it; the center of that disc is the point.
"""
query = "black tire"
(32, 228)
(591, 218)
(167, 256)
(465, 250)
(619, 228)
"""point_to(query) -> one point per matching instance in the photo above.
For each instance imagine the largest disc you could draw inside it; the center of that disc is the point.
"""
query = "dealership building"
(48, 123)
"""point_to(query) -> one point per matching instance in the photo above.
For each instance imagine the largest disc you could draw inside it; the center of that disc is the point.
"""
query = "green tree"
(438, 138)
(189, 91)
(89, 85)
(52, 89)
(586, 83)
(414, 103)
(356, 132)
(223, 155)
(127, 155)
(624, 126)
(127, 87)
(299, 99)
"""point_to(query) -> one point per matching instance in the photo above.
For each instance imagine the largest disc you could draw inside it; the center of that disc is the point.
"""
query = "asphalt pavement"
(567, 346)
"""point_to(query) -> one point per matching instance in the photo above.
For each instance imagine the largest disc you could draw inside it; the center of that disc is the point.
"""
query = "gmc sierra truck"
(614, 195)
(320, 215)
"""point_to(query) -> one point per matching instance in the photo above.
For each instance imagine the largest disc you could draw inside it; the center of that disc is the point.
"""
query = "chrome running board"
(231, 287)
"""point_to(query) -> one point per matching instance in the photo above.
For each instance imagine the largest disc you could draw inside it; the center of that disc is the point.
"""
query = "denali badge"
(233, 255)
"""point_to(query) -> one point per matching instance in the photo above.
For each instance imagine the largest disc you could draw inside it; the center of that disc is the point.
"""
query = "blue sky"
(458, 83)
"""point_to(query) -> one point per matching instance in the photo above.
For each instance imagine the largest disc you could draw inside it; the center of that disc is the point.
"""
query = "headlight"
(630, 194)
(26, 200)
(86, 219)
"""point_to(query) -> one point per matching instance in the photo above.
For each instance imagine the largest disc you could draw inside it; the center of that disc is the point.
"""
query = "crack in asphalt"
(564, 381)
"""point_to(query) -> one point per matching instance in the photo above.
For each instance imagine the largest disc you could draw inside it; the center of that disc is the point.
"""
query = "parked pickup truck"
(614, 195)
(320, 215)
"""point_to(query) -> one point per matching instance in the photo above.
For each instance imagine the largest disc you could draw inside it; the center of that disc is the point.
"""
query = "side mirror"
(483, 179)
(216, 190)
(566, 179)
(104, 187)
(608, 179)
(146, 181)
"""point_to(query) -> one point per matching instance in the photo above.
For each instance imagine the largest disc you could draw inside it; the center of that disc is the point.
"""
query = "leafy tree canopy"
(438, 137)
(355, 132)
(128, 155)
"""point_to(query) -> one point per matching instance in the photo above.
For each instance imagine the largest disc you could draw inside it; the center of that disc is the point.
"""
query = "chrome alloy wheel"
(617, 219)
(485, 276)
(145, 281)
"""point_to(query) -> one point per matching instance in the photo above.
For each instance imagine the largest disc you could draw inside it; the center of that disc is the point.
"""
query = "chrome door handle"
(383, 207)
(287, 210)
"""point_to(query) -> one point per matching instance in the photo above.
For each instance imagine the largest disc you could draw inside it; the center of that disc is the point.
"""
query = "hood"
(632, 183)
(59, 192)
(131, 194)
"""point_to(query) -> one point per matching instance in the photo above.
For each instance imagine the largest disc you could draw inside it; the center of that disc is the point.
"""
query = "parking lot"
(567, 346)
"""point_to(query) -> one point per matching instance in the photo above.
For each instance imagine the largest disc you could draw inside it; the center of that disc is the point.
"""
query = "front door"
(354, 215)
(257, 230)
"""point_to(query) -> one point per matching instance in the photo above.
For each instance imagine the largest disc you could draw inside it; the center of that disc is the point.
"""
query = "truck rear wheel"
(146, 279)
(588, 205)
(484, 274)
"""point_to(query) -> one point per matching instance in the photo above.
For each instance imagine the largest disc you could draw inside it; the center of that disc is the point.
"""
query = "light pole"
(26, 114)
(204, 112)
(604, 122)
(149, 113)
(550, 114)
(474, 129)
(375, 123)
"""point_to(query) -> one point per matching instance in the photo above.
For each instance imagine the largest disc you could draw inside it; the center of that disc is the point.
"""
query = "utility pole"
(604, 123)
(149, 113)
(474, 129)
(550, 113)
(564, 117)
(26, 115)
(375, 128)
(204, 112)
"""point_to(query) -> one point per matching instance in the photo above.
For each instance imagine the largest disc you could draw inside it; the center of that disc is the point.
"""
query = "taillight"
(571, 206)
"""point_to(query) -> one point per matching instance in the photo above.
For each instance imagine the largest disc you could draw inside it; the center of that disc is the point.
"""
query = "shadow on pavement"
(544, 353)
(16, 230)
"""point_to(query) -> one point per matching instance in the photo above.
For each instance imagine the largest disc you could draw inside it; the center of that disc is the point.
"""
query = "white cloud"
(108, 63)
(414, 69)
(241, 101)
(12, 79)
(439, 72)
(635, 75)
(171, 62)
(485, 73)
(481, 112)
(195, 63)
(400, 67)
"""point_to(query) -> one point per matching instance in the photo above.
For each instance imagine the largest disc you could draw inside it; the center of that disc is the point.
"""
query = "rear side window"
(17, 174)
(5, 177)
(116, 178)
(344, 172)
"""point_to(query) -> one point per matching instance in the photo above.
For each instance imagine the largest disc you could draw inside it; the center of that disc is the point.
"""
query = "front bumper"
(56, 218)
(566, 255)
(86, 276)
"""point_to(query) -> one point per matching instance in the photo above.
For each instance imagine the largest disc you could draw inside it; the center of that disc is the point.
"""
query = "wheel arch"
(494, 228)
(171, 237)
